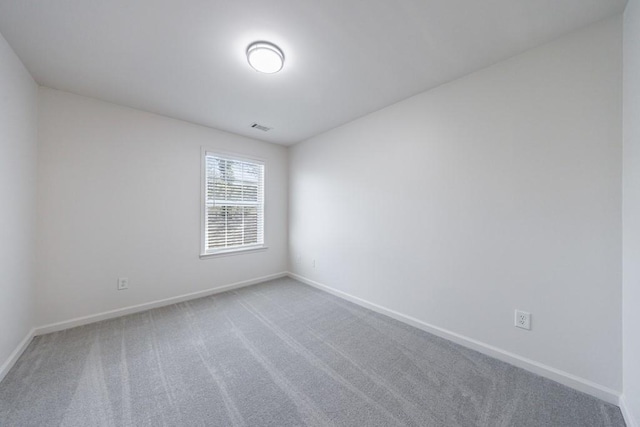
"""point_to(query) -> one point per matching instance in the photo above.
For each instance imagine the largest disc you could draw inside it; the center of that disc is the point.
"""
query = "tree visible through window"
(234, 203)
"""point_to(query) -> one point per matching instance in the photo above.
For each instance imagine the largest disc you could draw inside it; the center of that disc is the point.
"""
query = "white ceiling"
(344, 58)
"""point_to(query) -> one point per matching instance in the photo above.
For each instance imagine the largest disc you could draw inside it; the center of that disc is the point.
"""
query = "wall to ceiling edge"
(495, 192)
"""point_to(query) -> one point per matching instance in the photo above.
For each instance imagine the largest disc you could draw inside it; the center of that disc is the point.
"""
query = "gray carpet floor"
(276, 354)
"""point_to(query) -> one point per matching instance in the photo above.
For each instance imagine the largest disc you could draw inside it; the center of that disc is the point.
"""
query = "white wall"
(119, 195)
(631, 211)
(18, 147)
(497, 191)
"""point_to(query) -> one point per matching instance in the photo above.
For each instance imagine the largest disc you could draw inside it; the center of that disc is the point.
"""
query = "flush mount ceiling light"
(265, 57)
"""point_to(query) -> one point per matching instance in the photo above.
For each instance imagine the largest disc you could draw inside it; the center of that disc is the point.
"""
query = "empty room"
(320, 213)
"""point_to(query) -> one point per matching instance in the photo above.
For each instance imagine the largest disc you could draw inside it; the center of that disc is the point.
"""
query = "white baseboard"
(15, 355)
(628, 418)
(79, 321)
(565, 378)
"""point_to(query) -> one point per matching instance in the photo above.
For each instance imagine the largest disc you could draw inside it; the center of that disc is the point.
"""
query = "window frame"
(203, 204)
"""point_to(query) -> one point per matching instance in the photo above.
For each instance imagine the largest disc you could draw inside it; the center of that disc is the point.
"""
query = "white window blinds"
(234, 207)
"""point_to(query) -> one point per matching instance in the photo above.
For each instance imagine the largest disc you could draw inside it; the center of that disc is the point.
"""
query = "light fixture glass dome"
(265, 57)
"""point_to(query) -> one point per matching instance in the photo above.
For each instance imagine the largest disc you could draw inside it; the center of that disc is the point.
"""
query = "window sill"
(229, 252)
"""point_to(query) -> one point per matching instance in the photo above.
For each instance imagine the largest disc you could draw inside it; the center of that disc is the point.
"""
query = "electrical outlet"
(298, 259)
(523, 320)
(123, 283)
(314, 263)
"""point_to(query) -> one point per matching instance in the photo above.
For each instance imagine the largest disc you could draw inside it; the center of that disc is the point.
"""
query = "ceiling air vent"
(260, 127)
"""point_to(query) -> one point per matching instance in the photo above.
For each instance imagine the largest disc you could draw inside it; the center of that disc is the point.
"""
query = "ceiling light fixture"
(265, 57)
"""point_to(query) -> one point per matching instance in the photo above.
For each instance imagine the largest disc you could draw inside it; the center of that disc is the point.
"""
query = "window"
(233, 204)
